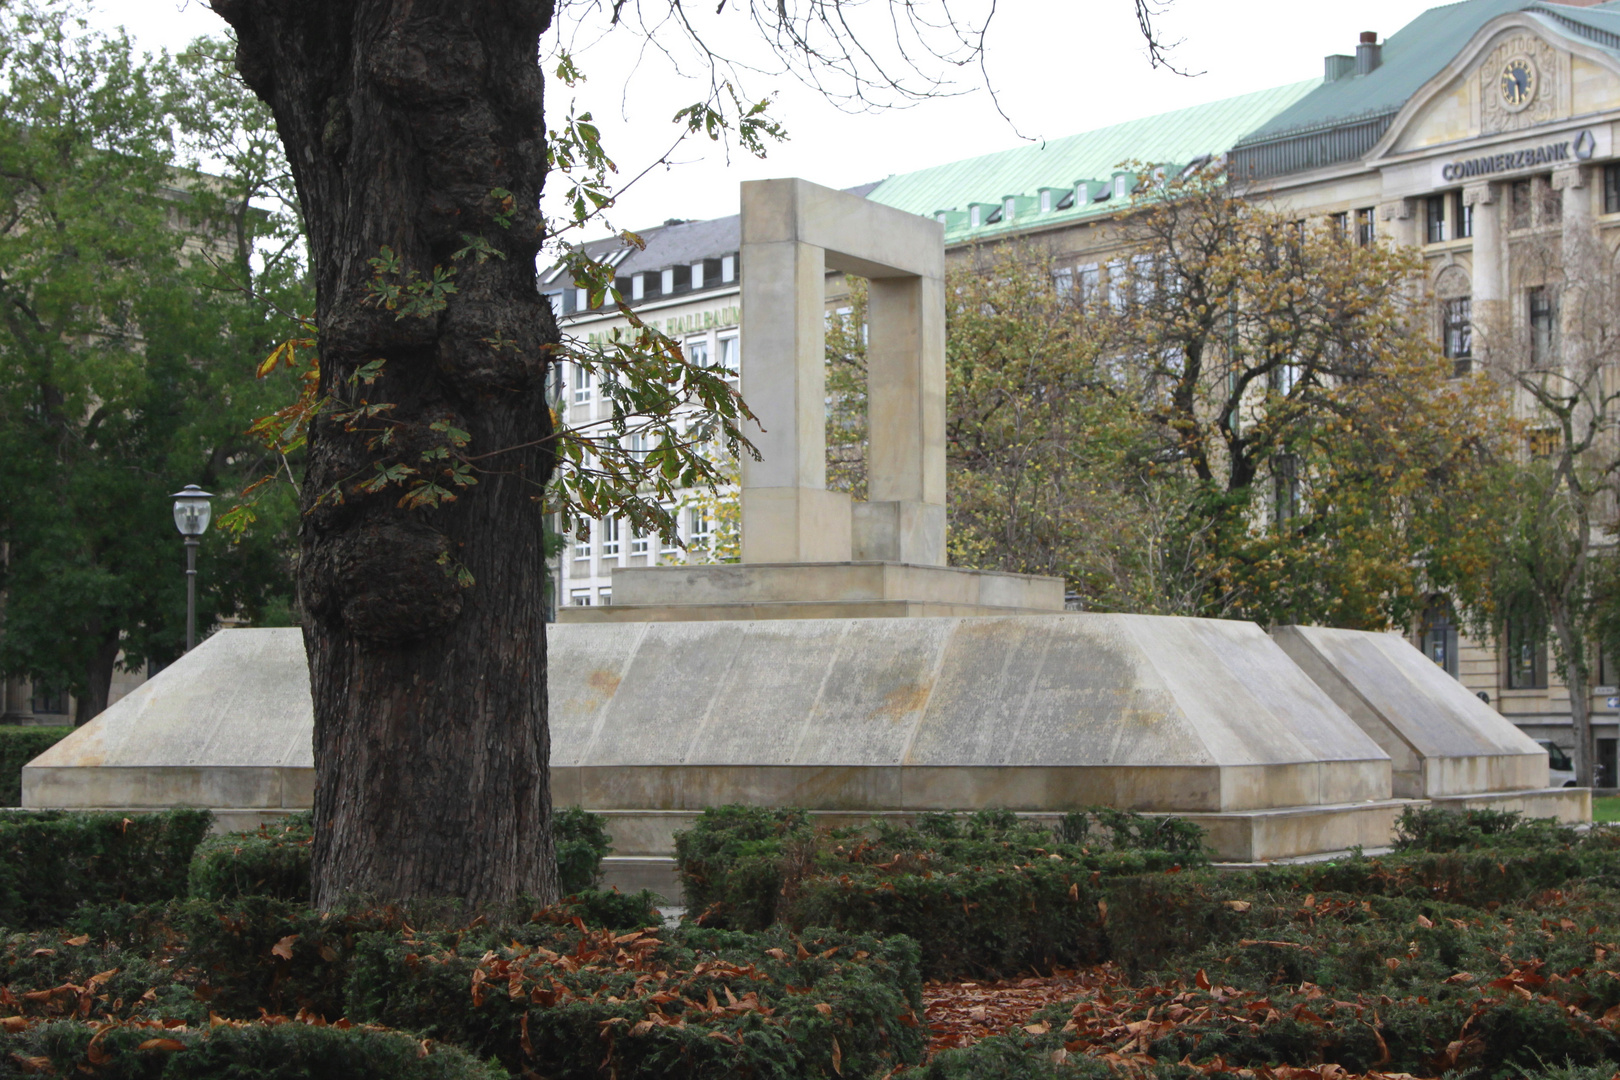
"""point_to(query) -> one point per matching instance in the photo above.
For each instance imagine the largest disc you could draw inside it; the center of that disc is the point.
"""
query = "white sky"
(1060, 67)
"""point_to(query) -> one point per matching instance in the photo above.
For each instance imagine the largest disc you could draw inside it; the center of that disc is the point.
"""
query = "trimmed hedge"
(694, 1003)
(275, 859)
(19, 745)
(52, 861)
(258, 1051)
(734, 861)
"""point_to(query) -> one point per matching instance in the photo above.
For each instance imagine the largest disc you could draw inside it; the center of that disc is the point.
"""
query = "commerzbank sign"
(1580, 146)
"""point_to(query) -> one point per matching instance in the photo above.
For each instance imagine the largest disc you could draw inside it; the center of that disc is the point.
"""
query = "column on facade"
(1579, 257)
(1488, 310)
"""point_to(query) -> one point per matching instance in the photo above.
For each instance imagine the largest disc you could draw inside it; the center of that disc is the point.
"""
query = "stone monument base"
(833, 590)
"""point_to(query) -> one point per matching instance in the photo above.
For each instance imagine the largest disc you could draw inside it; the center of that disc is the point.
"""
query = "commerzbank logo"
(1581, 147)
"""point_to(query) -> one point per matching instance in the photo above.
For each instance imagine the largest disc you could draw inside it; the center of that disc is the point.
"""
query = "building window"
(697, 351)
(1063, 281)
(1519, 195)
(47, 702)
(582, 385)
(1046, 202)
(698, 526)
(1611, 189)
(1552, 202)
(605, 596)
(1526, 652)
(669, 545)
(728, 268)
(975, 218)
(610, 538)
(638, 443)
(697, 275)
(639, 541)
(1285, 488)
(1435, 215)
(731, 356)
(666, 281)
(638, 286)
(1462, 217)
(1457, 330)
(1090, 278)
(1118, 288)
(580, 597)
(1542, 442)
(1365, 229)
(582, 546)
(1438, 636)
(1340, 224)
(1543, 327)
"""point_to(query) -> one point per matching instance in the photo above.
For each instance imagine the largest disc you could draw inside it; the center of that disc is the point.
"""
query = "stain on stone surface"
(903, 702)
(603, 682)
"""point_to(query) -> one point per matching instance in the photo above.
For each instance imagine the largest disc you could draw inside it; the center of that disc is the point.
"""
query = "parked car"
(1560, 769)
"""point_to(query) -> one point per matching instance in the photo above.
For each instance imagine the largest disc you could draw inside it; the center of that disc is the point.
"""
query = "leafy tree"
(1330, 450)
(122, 366)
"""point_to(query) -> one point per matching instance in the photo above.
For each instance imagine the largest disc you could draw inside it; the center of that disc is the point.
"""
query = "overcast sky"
(1059, 67)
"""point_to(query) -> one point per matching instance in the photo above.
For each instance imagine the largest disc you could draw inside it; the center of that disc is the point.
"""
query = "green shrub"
(582, 842)
(273, 861)
(693, 1003)
(18, 746)
(735, 860)
(993, 919)
(260, 1051)
(52, 861)
(1105, 828)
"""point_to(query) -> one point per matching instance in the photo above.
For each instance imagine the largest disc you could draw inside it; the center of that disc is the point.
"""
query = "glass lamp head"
(192, 510)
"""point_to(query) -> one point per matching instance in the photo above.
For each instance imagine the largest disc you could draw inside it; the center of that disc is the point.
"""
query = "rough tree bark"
(400, 118)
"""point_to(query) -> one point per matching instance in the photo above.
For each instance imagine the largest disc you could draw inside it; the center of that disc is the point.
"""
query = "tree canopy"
(136, 290)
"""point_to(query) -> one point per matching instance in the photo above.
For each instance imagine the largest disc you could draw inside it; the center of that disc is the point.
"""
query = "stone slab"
(840, 582)
(1441, 739)
(1572, 806)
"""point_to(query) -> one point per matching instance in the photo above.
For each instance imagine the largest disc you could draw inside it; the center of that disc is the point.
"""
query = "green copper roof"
(1173, 138)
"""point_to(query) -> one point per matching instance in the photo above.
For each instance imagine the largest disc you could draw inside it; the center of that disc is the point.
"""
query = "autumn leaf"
(284, 947)
(837, 1058)
(162, 1044)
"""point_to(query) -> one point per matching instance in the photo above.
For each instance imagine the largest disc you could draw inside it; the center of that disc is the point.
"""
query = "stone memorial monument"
(803, 676)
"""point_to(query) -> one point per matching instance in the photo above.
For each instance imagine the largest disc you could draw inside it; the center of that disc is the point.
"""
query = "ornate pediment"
(1522, 83)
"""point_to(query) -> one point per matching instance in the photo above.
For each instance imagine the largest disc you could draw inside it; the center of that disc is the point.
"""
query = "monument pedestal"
(832, 590)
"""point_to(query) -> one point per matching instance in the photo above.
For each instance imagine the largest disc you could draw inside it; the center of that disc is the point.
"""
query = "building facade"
(1481, 134)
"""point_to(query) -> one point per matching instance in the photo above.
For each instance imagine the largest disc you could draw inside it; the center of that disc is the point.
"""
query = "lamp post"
(191, 513)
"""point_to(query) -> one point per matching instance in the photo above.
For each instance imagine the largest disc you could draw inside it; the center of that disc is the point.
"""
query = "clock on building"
(1518, 83)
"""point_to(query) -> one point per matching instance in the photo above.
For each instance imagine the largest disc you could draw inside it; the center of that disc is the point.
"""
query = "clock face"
(1518, 83)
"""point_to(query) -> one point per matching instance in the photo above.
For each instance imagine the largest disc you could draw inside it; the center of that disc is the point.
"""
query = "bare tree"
(1556, 347)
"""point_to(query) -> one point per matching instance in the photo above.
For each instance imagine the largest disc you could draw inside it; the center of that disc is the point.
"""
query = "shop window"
(1457, 331)
(1435, 216)
(1543, 327)
(1526, 652)
(1365, 230)
(1438, 636)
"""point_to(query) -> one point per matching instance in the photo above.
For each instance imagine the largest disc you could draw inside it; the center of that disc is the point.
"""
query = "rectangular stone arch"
(793, 232)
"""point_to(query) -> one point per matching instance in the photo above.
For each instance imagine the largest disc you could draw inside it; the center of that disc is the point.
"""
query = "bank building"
(1481, 134)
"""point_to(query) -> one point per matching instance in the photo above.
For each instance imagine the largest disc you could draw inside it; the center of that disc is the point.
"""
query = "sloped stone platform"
(1444, 743)
(1035, 713)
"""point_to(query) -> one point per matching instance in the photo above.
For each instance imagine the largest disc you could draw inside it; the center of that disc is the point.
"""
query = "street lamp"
(191, 513)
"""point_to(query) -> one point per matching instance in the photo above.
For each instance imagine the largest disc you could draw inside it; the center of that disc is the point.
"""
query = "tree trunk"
(403, 121)
(1580, 712)
(93, 701)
